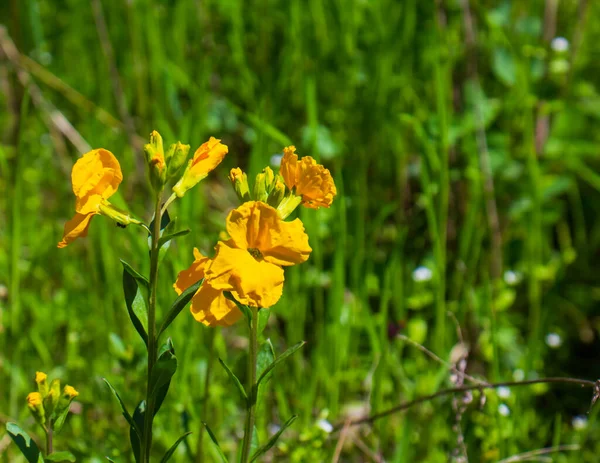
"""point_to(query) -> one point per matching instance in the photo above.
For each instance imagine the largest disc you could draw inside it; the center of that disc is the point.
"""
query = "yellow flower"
(96, 177)
(250, 263)
(307, 179)
(69, 392)
(209, 306)
(34, 399)
(40, 379)
(205, 159)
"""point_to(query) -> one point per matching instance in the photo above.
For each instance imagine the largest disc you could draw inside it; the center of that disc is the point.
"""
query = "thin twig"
(454, 390)
(54, 117)
(536, 453)
(433, 356)
(340, 443)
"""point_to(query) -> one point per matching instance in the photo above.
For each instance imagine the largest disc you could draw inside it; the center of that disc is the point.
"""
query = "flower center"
(255, 253)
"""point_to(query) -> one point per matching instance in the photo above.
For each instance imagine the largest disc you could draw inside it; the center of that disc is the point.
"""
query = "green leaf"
(273, 440)
(179, 304)
(163, 371)
(124, 409)
(244, 308)
(166, 238)
(28, 447)
(235, 380)
(61, 456)
(263, 319)
(216, 443)
(265, 357)
(171, 451)
(59, 421)
(110, 459)
(280, 359)
(138, 418)
(135, 288)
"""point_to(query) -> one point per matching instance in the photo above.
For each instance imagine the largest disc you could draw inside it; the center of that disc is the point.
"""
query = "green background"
(465, 150)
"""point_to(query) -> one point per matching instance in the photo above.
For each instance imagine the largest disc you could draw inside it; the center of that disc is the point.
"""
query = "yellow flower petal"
(256, 225)
(75, 228)
(95, 176)
(312, 181)
(258, 283)
(208, 156)
(193, 274)
(211, 308)
(34, 399)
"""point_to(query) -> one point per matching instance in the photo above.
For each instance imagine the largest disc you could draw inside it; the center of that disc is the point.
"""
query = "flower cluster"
(249, 265)
(47, 404)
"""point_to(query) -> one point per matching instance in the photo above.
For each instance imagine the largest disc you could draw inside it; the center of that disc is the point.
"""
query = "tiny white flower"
(559, 44)
(503, 410)
(511, 278)
(325, 425)
(553, 340)
(422, 274)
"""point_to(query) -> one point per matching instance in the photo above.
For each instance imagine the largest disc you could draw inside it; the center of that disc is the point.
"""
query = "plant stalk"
(204, 415)
(252, 389)
(49, 437)
(149, 415)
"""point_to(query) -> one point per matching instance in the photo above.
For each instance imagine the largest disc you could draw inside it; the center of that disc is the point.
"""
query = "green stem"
(252, 389)
(203, 416)
(49, 436)
(149, 415)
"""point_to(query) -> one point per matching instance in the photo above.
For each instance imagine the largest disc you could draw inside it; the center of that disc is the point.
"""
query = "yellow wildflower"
(69, 392)
(307, 179)
(96, 177)
(208, 306)
(34, 399)
(40, 379)
(250, 263)
(205, 159)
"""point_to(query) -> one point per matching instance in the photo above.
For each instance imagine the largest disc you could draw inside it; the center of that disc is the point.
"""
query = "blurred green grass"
(383, 93)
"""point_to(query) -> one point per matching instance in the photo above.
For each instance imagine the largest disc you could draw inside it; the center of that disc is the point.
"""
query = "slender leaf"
(163, 371)
(265, 357)
(61, 456)
(214, 440)
(165, 238)
(244, 308)
(179, 304)
(138, 418)
(280, 359)
(235, 380)
(124, 409)
(273, 440)
(59, 421)
(171, 451)
(28, 447)
(110, 459)
(263, 319)
(135, 288)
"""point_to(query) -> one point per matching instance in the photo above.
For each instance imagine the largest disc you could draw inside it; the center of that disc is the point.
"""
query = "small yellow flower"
(307, 179)
(208, 306)
(250, 263)
(40, 379)
(34, 399)
(239, 180)
(69, 392)
(96, 177)
(205, 159)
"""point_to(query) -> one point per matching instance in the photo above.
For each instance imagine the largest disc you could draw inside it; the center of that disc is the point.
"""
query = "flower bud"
(53, 397)
(155, 157)
(41, 380)
(121, 217)
(35, 404)
(239, 180)
(288, 205)
(263, 184)
(176, 157)
(69, 393)
(277, 193)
